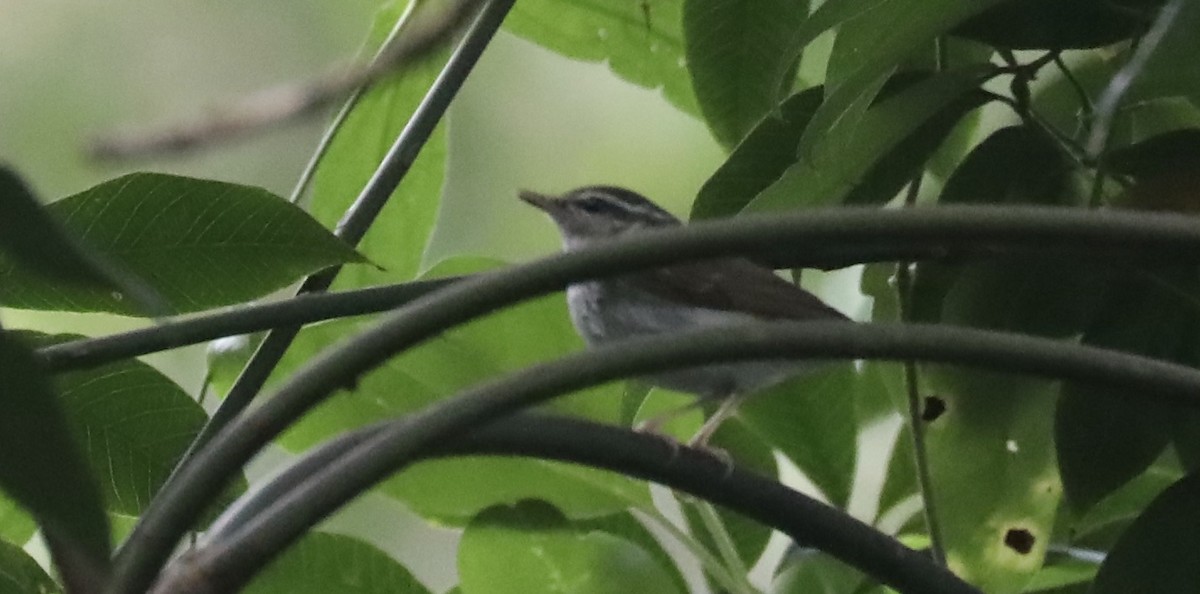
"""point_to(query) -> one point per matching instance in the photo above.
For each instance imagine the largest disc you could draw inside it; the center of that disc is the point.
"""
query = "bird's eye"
(593, 206)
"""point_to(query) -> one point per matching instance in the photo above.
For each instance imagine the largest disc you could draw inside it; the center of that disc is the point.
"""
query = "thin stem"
(1111, 237)
(912, 390)
(362, 213)
(1098, 176)
(728, 551)
(834, 252)
(1110, 100)
(279, 105)
(708, 561)
(310, 168)
(1085, 102)
(351, 228)
(242, 319)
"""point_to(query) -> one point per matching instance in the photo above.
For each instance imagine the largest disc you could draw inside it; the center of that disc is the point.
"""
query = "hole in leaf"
(934, 407)
(1019, 540)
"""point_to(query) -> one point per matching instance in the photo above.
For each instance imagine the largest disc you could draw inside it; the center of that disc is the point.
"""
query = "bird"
(679, 297)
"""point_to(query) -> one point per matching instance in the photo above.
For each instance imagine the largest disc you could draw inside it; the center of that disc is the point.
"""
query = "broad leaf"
(21, 574)
(736, 54)
(992, 462)
(16, 526)
(992, 459)
(198, 243)
(812, 420)
(813, 572)
(1121, 507)
(1057, 575)
(1059, 25)
(41, 465)
(396, 241)
(1014, 165)
(322, 563)
(531, 548)
(837, 164)
(453, 490)
(871, 45)
(625, 525)
(30, 237)
(766, 152)
(1165, 169)
(133, 422)
(1160, 551)
(1106, 437)
(640, 40)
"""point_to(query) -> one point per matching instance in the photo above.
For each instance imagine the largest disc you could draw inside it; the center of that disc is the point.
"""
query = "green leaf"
(828, 15)
(396, 241)
(41, 465)
(996, 487)
(625, 525)
(1113, 513)
(837, 164)
(322, 563)
(1160, 551)
(1059, 25)
(38, 243)
(871, 45)
(16, 526)
(812, 420)
(20, 574)
(134, 423)
(640, 40)
(1103, 441)
(736, 55)
(813, 572)
(530, 548)
(766, 152)
(1106, 437)
(1164, 169)
(453, 490)
(1014, 165)
(198, 243)
(1063, 573)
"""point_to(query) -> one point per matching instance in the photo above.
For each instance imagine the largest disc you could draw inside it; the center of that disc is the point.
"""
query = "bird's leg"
(727, 409)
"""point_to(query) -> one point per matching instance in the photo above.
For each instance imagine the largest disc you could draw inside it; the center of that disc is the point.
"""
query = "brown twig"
(286, 103)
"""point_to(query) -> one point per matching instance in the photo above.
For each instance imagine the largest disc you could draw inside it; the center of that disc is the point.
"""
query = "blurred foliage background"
(526, 118)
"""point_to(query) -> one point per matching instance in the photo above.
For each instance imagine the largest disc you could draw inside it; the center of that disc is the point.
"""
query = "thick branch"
(635, 454)
(819, 239)
(180, 502)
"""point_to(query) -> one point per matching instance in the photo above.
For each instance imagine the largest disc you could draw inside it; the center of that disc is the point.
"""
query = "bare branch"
(280, 105)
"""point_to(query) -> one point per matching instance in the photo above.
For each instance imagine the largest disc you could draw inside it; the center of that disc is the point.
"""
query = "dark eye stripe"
(620, 203)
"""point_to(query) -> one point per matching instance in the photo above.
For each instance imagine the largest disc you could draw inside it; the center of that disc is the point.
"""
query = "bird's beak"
(541, 201)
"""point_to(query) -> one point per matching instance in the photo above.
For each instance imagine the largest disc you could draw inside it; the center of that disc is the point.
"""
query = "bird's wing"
(733, 284)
